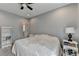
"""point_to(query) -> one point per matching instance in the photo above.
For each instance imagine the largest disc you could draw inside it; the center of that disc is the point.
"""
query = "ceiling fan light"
(24, 5)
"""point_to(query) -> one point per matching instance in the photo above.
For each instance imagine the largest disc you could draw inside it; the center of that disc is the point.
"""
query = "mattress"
(39, 45)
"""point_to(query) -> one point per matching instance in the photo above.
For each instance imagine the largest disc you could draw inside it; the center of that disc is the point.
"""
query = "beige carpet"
(6, 51)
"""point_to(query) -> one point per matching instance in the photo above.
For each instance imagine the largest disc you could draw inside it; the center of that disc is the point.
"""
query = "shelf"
(6, 45)
(6, 42)
(6, 33)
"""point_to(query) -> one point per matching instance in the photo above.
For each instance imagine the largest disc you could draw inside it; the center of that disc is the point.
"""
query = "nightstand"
(70, 48)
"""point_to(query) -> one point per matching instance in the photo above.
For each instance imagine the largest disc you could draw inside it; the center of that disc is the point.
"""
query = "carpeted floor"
(6, 52)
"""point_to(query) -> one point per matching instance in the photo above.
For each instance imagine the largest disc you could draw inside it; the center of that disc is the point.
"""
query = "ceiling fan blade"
(23, 5)
(29, 7)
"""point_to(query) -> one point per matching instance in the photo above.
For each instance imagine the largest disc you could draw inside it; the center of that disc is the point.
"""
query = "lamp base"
(69, 39)
(70, 36)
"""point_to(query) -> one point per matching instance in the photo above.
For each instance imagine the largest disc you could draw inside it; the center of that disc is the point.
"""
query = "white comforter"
(38, 45)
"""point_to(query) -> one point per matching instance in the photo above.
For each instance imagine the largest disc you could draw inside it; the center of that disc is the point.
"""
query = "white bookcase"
(6, 35)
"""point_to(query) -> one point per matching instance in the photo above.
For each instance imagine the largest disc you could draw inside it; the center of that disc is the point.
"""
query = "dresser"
(6, 35)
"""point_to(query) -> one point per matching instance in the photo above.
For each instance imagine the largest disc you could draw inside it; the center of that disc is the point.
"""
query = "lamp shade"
(69, 30)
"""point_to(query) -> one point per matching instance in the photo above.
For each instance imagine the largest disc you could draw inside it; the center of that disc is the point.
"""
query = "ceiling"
(38, 8)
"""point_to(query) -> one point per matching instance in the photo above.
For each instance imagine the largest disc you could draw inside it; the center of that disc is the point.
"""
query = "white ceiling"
(38, 8)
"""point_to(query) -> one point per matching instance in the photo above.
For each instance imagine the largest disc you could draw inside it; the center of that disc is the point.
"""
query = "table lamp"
(70, 31)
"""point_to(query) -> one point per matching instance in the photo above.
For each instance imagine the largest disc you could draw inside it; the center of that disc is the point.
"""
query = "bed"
(37, 45)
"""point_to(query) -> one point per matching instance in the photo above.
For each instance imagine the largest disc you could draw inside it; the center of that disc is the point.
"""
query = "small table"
(70, 48)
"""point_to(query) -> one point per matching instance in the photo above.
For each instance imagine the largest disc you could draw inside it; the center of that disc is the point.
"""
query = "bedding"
(37, 45)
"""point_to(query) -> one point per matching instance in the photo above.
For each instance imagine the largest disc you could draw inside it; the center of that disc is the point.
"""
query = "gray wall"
(7, 19)
(77, 30)
(54, 22)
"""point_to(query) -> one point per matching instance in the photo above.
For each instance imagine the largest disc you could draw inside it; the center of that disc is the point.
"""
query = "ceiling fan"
(23, 5)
